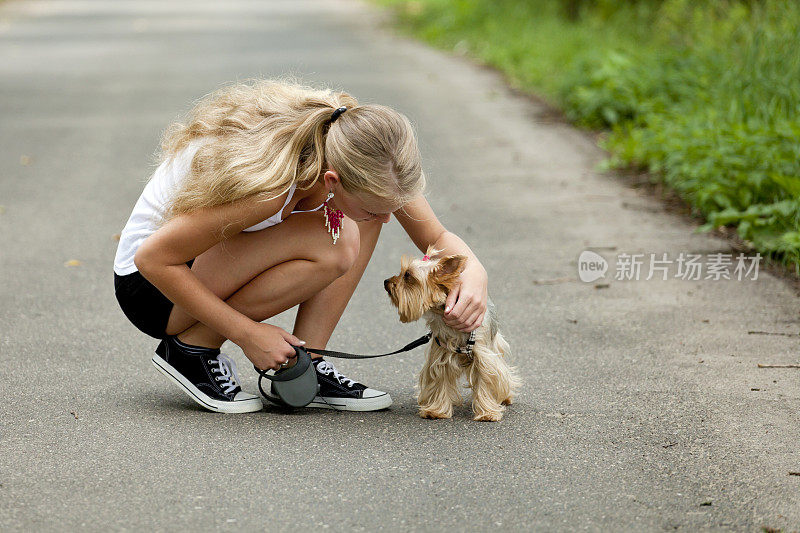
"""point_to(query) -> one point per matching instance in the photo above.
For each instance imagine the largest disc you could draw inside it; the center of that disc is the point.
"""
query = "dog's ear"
(452, 264)
(448, 270)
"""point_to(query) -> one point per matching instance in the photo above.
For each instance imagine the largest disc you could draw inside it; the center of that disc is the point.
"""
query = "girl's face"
(355, 207)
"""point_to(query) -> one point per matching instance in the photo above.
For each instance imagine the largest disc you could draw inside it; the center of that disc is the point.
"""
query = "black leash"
(344, 355)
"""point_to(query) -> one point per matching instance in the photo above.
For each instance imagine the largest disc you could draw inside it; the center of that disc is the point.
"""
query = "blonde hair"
(267, 134)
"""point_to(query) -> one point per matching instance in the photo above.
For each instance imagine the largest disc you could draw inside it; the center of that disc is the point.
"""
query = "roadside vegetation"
(702, 95)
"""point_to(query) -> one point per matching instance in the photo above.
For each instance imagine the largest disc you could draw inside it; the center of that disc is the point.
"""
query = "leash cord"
(344, 355)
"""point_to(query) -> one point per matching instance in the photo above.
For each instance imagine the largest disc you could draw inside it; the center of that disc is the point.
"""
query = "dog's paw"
(427, 413)
(488, 416)
(508, 401)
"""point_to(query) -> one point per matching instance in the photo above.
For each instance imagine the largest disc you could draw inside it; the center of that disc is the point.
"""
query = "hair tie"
(337, 113)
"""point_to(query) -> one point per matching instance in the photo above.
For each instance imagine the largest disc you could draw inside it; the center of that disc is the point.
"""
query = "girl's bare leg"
(263, 273)
(318, 315)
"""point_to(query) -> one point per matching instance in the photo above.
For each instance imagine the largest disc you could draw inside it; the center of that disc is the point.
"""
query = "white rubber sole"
(349, 404)
(248, 405)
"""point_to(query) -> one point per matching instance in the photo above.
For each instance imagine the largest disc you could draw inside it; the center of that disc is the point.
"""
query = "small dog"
(420, 290)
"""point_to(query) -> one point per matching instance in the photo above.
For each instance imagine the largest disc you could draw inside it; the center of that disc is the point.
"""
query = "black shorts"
(144, 305)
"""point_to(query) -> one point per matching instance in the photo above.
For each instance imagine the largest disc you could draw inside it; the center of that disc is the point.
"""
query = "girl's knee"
(346, 247)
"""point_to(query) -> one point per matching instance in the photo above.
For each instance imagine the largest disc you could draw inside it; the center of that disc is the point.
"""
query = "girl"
(273, 194)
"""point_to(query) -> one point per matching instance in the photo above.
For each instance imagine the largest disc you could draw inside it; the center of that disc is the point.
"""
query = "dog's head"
(423, 284)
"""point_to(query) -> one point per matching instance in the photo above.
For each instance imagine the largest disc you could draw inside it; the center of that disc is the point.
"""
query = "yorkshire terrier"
(420, 290)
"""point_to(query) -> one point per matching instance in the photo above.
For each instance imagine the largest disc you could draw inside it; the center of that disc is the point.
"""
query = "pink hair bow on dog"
(425, 258)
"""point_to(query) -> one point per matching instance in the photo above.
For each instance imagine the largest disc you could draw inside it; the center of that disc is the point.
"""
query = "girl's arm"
(466, 304)
(162, 256)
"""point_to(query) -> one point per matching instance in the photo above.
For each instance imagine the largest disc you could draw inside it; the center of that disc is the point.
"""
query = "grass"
(704, 95)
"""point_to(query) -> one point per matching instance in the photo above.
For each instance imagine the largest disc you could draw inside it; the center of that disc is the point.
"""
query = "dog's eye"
(407, 276)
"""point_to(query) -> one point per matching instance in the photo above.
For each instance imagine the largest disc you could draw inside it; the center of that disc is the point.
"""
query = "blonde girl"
(239, 223)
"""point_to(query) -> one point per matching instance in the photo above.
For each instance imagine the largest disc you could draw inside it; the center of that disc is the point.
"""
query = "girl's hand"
(466, 304)
(268, 347)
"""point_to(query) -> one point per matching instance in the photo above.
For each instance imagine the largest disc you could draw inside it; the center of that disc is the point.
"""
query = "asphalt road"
(643, 407)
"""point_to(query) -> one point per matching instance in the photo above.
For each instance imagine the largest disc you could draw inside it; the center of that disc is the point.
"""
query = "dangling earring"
(333, 219)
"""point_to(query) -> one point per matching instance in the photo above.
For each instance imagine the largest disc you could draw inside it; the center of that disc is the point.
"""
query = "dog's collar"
(466, 349)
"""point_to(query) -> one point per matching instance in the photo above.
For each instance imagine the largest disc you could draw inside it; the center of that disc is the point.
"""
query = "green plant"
(704, 94)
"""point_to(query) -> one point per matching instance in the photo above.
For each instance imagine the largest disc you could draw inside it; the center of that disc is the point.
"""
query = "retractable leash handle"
(297, 385)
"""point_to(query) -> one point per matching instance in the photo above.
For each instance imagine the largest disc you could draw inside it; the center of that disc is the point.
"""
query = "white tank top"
(149, 209)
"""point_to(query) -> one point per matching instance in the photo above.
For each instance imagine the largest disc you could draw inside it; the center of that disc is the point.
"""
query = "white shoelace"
(228, 377)
(325, 367)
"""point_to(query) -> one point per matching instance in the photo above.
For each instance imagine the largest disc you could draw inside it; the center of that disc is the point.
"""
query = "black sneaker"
(340, 393)
(207, 376)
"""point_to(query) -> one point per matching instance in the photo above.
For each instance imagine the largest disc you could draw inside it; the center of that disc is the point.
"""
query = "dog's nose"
(386, 283)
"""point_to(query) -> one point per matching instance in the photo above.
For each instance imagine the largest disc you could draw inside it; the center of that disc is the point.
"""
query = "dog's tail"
(514, 379)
